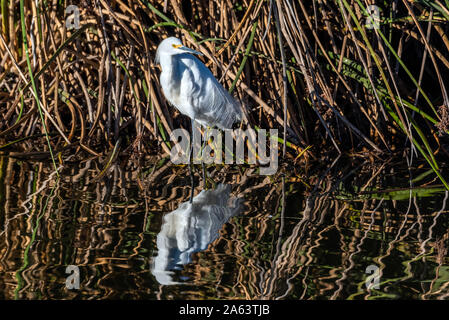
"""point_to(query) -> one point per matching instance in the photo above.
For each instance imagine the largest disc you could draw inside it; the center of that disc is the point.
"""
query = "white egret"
(192, 88)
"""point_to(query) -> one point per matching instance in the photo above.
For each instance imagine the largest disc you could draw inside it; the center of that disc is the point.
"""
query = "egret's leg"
(191, 144)
(192, 185)
(203, 165)
(204, 175)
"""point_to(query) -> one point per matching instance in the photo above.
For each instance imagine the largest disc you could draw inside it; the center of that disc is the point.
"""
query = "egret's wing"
(215, 105)
(225, 109)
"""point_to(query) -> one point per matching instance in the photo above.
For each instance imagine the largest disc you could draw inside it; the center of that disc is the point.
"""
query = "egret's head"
(172, 46)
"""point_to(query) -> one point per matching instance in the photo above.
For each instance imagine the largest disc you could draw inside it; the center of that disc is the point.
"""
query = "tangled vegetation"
(335, 75)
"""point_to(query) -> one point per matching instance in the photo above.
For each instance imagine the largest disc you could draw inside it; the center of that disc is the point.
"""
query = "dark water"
(139, 234)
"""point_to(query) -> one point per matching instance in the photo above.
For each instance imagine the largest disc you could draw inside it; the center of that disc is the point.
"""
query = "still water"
(349, 230)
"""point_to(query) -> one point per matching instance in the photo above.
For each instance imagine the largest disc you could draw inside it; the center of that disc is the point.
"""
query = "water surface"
(305, 233)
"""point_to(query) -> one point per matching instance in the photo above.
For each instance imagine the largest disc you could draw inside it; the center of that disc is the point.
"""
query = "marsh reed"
(316, 70)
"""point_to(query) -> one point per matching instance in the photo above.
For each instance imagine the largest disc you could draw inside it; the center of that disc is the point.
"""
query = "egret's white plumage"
(192, 88)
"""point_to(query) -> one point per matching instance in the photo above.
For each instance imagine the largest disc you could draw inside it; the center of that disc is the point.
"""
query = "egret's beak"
(188, 50)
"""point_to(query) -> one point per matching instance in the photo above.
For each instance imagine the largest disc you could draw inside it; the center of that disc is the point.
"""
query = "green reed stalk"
(36, 96)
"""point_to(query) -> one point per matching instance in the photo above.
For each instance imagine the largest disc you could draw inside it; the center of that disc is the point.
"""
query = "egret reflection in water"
(191, 228)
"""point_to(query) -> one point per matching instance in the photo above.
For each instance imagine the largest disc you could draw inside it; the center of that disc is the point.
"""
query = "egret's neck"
(168, 64)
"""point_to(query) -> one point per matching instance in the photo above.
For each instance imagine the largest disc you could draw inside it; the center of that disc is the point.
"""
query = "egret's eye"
(176, 46)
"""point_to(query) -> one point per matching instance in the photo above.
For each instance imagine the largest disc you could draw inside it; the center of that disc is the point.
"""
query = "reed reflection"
(191, 228)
